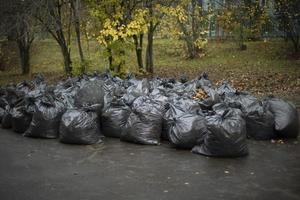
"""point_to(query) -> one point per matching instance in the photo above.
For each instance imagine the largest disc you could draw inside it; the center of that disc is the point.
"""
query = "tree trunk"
(118, 67)
(65, 49)
(67, 58)
(110, 59)
(24, 50)
(87, 42)
(296, 47)
(242, 45)
(140, 51)
(25, 59)
(295, 41)
(76, 11)
(149, 50)
(192, 51)
(54, 12)
(138, 41)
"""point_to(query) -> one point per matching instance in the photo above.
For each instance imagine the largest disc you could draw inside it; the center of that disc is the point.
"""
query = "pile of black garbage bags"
(87, 108)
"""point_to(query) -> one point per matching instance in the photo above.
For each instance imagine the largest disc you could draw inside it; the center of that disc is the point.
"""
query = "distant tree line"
(122, 25)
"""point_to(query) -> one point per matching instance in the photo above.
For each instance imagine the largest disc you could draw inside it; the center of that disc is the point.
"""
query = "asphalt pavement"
(43, 169)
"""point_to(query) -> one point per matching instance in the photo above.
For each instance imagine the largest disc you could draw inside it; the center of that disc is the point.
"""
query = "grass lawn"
(264, 68)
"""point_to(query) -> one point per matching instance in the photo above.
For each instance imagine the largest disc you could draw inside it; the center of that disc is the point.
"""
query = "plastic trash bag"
(114, 119)
(6, 118)
(38, 79)
(188, 89)
(212, 99)
(138, 89)
(3, 102)
(186, 130)
(186, 104)
(203, 81)
(67, 95)
(167, 84)
(183, 79)
(12, 96)
(260, 121)
(286, 117)
(80, 126)
(141, 88)
(144, 124)
(158, 94)
(90, 93)
(113, 92)
(2, 112)
(155, 83)
(24, 87)
(22, 116)
(171, 112)
(240, 100)
(226, 135)
(46, 118)
(226, 89)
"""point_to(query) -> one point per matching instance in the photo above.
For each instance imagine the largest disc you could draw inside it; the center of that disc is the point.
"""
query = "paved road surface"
(36, 169)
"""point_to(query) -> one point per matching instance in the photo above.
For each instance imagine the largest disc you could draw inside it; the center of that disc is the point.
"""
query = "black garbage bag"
(6, 118)
(187, 89)
(24, 87)
(114, 119)
(286, 117)
(90, 94)
(240, 100)
(187, 130)
(3, 102)
(226, 89)
(203, 81)
(113, 92)
(171, 112)
(183, 79)
(226, 135)
(2, 113)
(67, 95)
(212, 99)
(36, 93)
(144, 124)
(220, 108)
(70, 82)
(22, 116)
(158, 94)
(186, 104)
(130, 80)
(260, 121)
(140, 88)
(40, 85)
(39, 79)
(80, 126)
(46, 118)
(105, 75)
(12, 96)
(155, 83)
(128, 99)
(167, 84)
(2, 91)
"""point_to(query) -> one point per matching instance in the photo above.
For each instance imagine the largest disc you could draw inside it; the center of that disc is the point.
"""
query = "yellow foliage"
(114, 30)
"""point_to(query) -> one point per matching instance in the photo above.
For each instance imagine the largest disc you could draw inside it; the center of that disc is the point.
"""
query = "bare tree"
(288, 16)
(17, 24)
(56, 17)
(138, 43)
(76, 8)
(153, 24)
